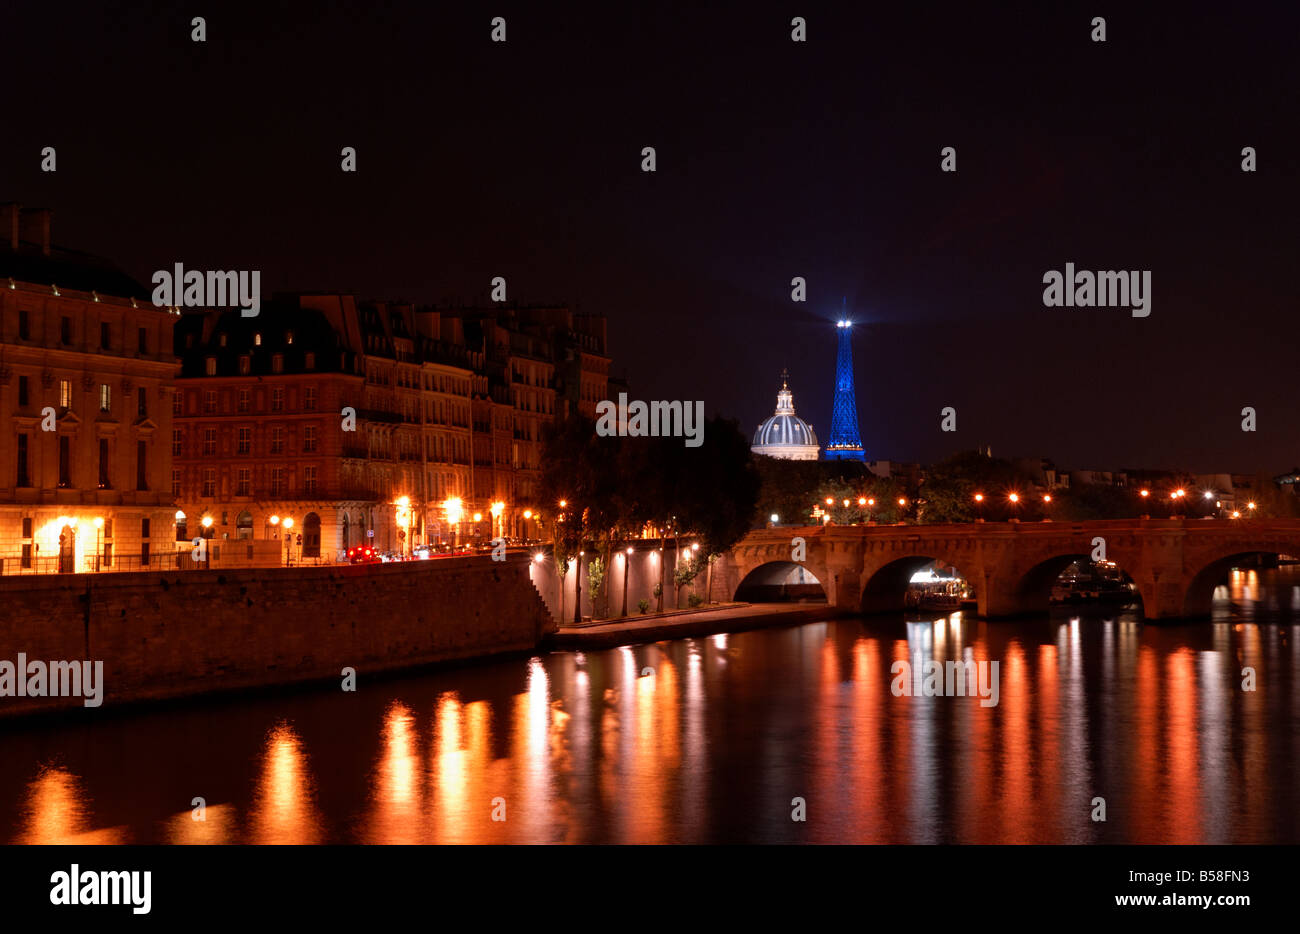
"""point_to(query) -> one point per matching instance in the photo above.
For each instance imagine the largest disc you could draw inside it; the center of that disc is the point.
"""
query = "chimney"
(35, 227)
(9, 222)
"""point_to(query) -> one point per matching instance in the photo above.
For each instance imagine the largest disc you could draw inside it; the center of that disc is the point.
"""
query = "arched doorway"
(311, 536)
(244, 525)
(67, 550)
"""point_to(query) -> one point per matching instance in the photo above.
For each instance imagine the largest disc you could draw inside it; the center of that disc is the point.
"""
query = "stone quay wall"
(177, 633)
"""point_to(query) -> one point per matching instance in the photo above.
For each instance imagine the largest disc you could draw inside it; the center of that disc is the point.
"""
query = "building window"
(141, 465)
(309, 480)
(141, 402)
(24, 326)
(209, 400)
(144, 554)
(24, 479)
(105, 335)
(105, 398)
(182, 527)
(277, 440)
(176, 402)
(65, 329)
(209, 442)
(277, 399)
(108, 555)
(210, 366)
(309, 398)
(65, 461)
(257, 339)
(277, 481)
(176, 483)
(209, 482)
(288, 337)
(22, 390)
(309, 439)
(221, 339)
(244, 443)
(65, 394)
(277, 363)
(309, 360)
(27, 555)
(245, 364)
(143, 335)
(145, 526)
(243, 400)
(104, 483)
(245, 482)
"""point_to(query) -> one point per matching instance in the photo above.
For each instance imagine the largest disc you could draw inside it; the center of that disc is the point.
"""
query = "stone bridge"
(1176, 563)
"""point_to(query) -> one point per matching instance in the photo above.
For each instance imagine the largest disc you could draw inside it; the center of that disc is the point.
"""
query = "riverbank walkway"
(732, 617)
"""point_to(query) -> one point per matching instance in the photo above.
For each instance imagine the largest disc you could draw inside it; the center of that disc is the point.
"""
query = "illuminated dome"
(785, 435)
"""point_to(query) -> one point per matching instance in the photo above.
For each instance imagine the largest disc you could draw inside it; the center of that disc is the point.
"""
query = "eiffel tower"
(845, 442)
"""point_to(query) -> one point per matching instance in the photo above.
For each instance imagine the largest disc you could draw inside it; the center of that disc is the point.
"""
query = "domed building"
(785, 435)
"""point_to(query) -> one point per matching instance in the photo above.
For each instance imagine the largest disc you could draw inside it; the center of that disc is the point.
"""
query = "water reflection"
(715, 739)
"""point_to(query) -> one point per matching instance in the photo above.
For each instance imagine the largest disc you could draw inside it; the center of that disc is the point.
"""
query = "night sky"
(775, 159)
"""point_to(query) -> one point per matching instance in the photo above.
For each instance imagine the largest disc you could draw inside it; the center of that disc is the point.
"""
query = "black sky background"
(775, 159)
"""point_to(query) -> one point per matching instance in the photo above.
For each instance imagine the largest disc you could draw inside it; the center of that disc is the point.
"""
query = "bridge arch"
(1032, 590)
(780, 581)
(884, 589)
(1198, 596)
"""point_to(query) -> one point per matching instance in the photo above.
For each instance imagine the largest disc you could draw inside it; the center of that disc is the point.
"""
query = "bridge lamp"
(871, 502)
(539, 557)
(775, 518)
(1235, 514)
(901, 501)
(1014, 497)
(1144, 493)
(830, 501)
(1209, 494)
(1047, 497)
(563, 503)
(1250, 505)
(846, 504)
(862, 501)
(979, 497)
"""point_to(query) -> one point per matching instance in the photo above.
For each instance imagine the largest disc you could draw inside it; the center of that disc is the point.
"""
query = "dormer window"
(221, 340)
(288, 337)
(257, 339)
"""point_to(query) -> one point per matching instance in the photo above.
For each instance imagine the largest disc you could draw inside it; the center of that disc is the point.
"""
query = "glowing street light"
(1014, 497)
(1250, 506)
(1047, 497)
(1144, 493)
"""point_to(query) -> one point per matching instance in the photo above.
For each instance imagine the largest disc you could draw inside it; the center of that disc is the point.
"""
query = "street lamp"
(979, 506)
(1015, 502)
(627, 566)
(207, 553)
(288, 541)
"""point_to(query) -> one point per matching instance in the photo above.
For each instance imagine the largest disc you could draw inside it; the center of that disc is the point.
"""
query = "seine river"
(714, 739)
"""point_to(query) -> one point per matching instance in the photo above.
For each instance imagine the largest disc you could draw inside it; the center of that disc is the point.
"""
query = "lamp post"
(207, 550)
(275, 524)
(99, 527)
(1047, 502)
(627, 566)
(979, 507)
(288, 541)
(1015, 503)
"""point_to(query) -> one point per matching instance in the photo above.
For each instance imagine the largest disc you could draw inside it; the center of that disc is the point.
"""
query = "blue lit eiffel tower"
(845, 443)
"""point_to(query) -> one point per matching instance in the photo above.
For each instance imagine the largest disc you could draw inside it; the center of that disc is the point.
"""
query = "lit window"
(288, 337)
(65, 394)
(257, 339)
(210, 366)
(105, 398)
